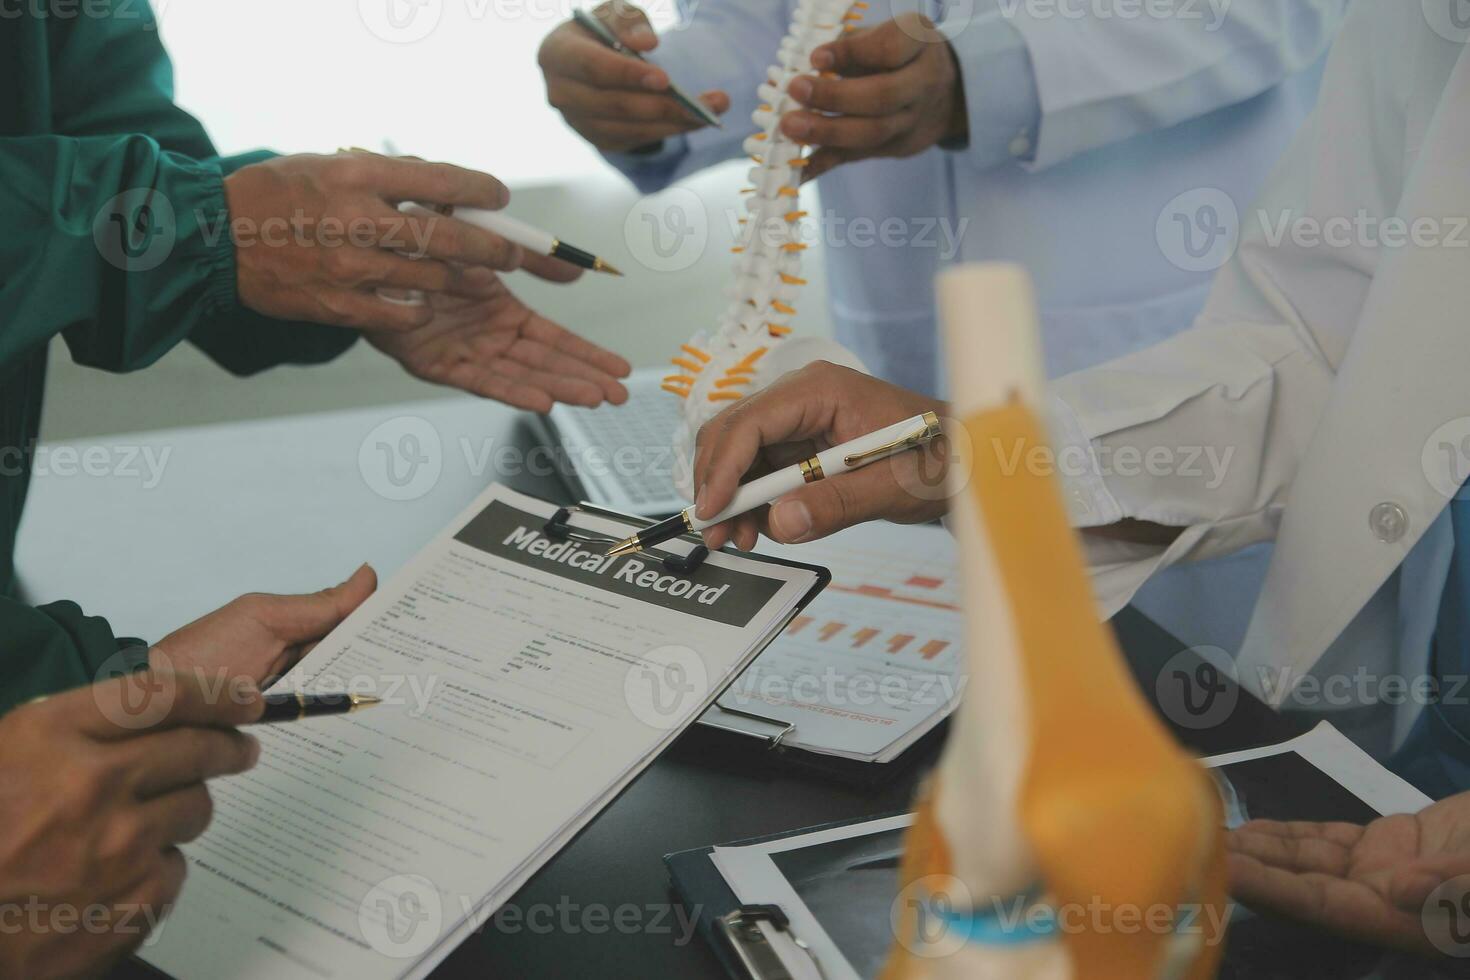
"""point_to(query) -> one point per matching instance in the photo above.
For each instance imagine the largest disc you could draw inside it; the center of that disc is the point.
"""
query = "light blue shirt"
(1436, 755)
(1083, 130)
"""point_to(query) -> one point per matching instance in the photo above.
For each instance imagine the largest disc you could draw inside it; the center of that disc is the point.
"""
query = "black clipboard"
(560, 522)
(772, 749)
(729, 927)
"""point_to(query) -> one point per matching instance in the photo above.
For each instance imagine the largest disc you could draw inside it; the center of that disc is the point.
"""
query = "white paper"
(874, 662)
(523, 686)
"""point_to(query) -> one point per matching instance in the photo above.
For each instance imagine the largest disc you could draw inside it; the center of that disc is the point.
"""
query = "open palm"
(497, 347)
(1372, 884)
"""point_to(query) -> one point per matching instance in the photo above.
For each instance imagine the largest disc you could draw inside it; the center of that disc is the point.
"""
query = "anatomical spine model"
(750, 345)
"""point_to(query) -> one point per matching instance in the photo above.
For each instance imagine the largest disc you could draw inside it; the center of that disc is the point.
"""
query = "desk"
(292, 505)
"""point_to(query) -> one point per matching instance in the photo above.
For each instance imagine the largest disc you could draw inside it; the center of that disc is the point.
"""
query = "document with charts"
(873, 664)
(526, 679)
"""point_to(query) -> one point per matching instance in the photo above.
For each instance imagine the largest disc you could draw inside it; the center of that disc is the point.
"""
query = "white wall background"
(456, 80)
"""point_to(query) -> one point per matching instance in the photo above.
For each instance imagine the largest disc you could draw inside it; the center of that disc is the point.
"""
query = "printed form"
(526, 680)
(875, 662)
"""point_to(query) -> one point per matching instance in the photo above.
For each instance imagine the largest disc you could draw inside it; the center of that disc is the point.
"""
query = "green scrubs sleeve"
(53, 648)
(117, 234)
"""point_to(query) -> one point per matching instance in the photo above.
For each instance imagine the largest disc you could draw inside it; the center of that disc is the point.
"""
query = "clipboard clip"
(751, 943)
(773, 742)
(560, 528)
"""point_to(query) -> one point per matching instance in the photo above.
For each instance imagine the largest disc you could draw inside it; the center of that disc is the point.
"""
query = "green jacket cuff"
(238, 339)
(53, 648)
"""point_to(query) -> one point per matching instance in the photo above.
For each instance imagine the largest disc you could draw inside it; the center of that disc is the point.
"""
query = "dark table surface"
(708, 789)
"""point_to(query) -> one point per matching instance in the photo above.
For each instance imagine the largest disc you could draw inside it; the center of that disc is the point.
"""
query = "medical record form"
(527, 678)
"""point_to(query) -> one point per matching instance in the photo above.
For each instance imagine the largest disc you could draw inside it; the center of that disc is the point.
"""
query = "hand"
(615, 102)
(497, 347)
(317, 236)
(816, 408)
(94, 811)
(1366, 883)
(899, 93)
(259, 637)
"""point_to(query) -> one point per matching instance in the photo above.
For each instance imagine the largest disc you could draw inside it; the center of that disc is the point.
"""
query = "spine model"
(749, 345)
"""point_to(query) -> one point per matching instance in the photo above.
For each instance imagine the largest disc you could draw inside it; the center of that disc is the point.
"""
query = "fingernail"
(800, 89)
(822, 58)
(699, 499)
(252, 751)
(797, 125)
(640, 32)
(791, 520)
(653, 82)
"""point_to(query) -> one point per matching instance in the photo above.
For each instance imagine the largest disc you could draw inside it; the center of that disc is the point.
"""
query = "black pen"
(294, 707)
(600, 31)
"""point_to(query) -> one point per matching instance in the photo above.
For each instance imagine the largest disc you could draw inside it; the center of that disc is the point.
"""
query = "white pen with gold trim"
(526, 236)
(851, 455)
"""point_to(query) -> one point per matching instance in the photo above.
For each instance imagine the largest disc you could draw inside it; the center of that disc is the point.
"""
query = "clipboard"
(500, 526)
(561, 523)
(744, 937)
(767, 749)
(1320, 776)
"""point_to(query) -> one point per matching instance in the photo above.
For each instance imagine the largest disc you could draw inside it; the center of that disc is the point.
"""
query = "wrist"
(244, 191)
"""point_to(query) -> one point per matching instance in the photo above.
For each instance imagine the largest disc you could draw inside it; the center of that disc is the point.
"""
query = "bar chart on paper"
(873, 663)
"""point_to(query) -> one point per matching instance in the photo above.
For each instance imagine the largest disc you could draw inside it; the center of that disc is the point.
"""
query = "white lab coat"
(1131, 111)
(1328, 370)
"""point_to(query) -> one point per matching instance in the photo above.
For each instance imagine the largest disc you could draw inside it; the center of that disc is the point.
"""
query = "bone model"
(750, 346)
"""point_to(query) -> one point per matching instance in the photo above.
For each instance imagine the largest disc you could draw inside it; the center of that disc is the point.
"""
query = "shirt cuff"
(651, 172)
(1002, 99)
(1089, 501)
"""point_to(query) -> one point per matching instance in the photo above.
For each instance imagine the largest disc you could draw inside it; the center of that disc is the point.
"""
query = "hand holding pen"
(808, 411)
(611, 96)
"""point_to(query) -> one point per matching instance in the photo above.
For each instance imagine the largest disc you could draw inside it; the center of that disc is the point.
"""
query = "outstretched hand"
(495, 346)
(1372, 884)
(259, 637)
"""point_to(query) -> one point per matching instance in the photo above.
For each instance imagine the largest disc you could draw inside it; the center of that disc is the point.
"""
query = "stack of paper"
(872, 665)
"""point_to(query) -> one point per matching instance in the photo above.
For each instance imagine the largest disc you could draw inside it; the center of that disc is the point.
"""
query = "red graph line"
(879, 592)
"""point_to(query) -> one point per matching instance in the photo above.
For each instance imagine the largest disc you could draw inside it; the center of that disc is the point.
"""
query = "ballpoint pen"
(291, 706)
(858, 453)
(502, 224)
(528, 237)
(600, 31)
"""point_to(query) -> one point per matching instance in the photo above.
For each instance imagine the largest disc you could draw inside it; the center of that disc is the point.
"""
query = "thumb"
(828, 506)
(871, 50)
(304, 618)
(629, 23)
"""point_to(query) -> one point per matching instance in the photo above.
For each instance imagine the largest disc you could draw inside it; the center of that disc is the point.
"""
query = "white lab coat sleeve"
(1205, 431)
(1202, 432)
(717, 44)
(1002, 105)
(1103, 80)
